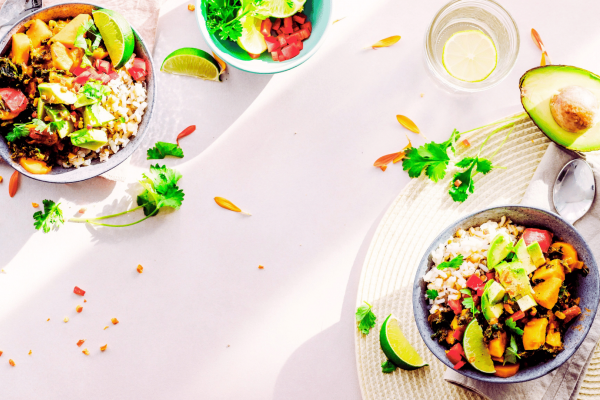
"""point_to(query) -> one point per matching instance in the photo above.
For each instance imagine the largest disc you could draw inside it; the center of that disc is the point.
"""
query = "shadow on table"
(322, 355)
(183, 101)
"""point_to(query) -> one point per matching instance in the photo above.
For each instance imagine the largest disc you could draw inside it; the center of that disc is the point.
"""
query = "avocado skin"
(560, 138)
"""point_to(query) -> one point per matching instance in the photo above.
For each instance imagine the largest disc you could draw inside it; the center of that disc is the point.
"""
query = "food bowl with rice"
(506, 294)
(77, 91)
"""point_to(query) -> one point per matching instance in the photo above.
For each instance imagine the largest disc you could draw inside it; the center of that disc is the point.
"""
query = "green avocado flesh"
(540, 84)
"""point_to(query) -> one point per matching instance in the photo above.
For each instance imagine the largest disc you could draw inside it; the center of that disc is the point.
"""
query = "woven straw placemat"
(419, 213)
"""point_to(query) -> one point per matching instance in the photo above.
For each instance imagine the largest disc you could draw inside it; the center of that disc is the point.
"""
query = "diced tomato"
(94, 75)
(275, 56)
(299, 18)
(84, 77)
(299, 45)
(282, 39)
(14, 99)
(280, 54)
(474, 282)
(305, 33)
(139, 63)
(79, 291)
(287, 25)
(78, 70)
(138, 73)
(544, 238)
(517, 316)
(253, 56)
(293, 39)
(455, 353)
(458, 334)
(307, 26)
(265, 27)
(296, 29)
(272, 44)
(276, 24)
(459, 364)
(113, 75)
(455, 306)
(290, 51)
(571, 313)
(279, 31)
(480, 291)
(490, 275)
(103, 66)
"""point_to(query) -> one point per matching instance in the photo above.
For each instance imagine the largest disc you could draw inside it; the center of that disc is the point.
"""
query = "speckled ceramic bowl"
(319, 14)
(70, 175)
(534, 218)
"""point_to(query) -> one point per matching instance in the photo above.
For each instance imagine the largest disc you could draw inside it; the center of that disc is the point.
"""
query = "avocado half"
(539, 84)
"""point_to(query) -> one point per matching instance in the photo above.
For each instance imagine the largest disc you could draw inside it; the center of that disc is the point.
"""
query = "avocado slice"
(526, 302)
(540, 84)
(514, 279)
(524, 257)
(83, 100)
(95, 115)
(91, 139)
(536, 254)
(40, 108)
(492, 294)
(499, 250)
(55, 93)
(58, 112)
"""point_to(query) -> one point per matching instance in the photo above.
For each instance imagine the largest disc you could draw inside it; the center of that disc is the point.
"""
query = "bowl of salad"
(506, 294)
(76, 92)
(264, 36)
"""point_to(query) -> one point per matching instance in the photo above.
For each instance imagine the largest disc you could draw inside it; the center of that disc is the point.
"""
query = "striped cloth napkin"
(563, 383)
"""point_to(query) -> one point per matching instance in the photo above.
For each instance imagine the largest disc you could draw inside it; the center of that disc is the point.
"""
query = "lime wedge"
(470, 56)
(191, 62)
(281, 8)
(252, 40)
(117, 35)
(475, 349)
(396, 348)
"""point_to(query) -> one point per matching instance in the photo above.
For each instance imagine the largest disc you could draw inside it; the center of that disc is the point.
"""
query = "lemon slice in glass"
(396, 347)
(470, 56)
(475, 349)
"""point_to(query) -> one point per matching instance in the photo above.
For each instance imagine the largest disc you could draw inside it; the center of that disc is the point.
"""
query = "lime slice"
(475, 349)
(117, 35)
(395, 346)
(281, 8)
(470, 56)
(252, 40)
(191, 62)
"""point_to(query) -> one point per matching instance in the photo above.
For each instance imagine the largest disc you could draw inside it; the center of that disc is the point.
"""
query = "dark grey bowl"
(70, 175)
(588, 287)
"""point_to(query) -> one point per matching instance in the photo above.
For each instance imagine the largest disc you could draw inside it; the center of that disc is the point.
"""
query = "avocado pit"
(574, 108)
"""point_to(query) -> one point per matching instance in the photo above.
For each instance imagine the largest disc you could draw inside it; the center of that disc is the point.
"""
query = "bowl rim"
(242, 64)
(418, 293)
(134, 144)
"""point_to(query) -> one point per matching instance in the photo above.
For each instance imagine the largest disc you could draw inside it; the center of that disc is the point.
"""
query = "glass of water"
(485, 16)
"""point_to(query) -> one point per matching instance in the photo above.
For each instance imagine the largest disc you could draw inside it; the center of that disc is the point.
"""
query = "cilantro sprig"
(88, 27)
(52, 216)
(23, 130)
(468, 301)
(455, 263)
(512, 351)
(95, 90)
(512, 326)
(160, 190)
(365, 318)
(432, 294)
(434, 159)
(163, 149)
(224, 16)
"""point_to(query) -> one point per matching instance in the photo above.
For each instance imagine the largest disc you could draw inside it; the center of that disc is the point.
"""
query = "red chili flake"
(79, 309)
(187, 131)
(1, 353)
(140, 269)
(84, 300)
(383, 167)
(86, 352)
(79, 291)
(103, 347)
(261, 267)
(80, 342)
(11, 362)
(465, 143)
(114, 321)
(457, 183)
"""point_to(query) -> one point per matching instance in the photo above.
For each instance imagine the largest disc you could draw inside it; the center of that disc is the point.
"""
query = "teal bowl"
(318, 13)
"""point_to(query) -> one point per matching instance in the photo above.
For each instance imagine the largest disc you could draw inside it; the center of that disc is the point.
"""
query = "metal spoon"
(574, 190)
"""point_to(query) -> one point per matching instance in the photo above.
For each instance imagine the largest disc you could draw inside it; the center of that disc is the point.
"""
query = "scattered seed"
(11, 362)
(106, 327)
(86, 352)
(48, 320)
(103, 347)
(114, 321)
(191, 7)
(29, 352)
(66, 319)
(261, 267)
(79, 308)
(84, 300)
(140, 269)
(422, 94)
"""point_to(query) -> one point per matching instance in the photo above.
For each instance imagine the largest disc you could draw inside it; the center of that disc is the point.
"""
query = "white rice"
(127, 100)
(473, 244)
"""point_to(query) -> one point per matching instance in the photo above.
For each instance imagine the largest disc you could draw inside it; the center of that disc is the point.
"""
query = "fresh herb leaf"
(433, 158)
(512, 325)
(469, 303)
(466, 291)
(94, 90)
(365, 318)
(163, 149)
(85, 43)
(388, 367)
(56, 126)
(455, 263)
(512, 352)
(51, 217)
(19, 131)
(432, 294)
(122, 120)
(224, 16)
